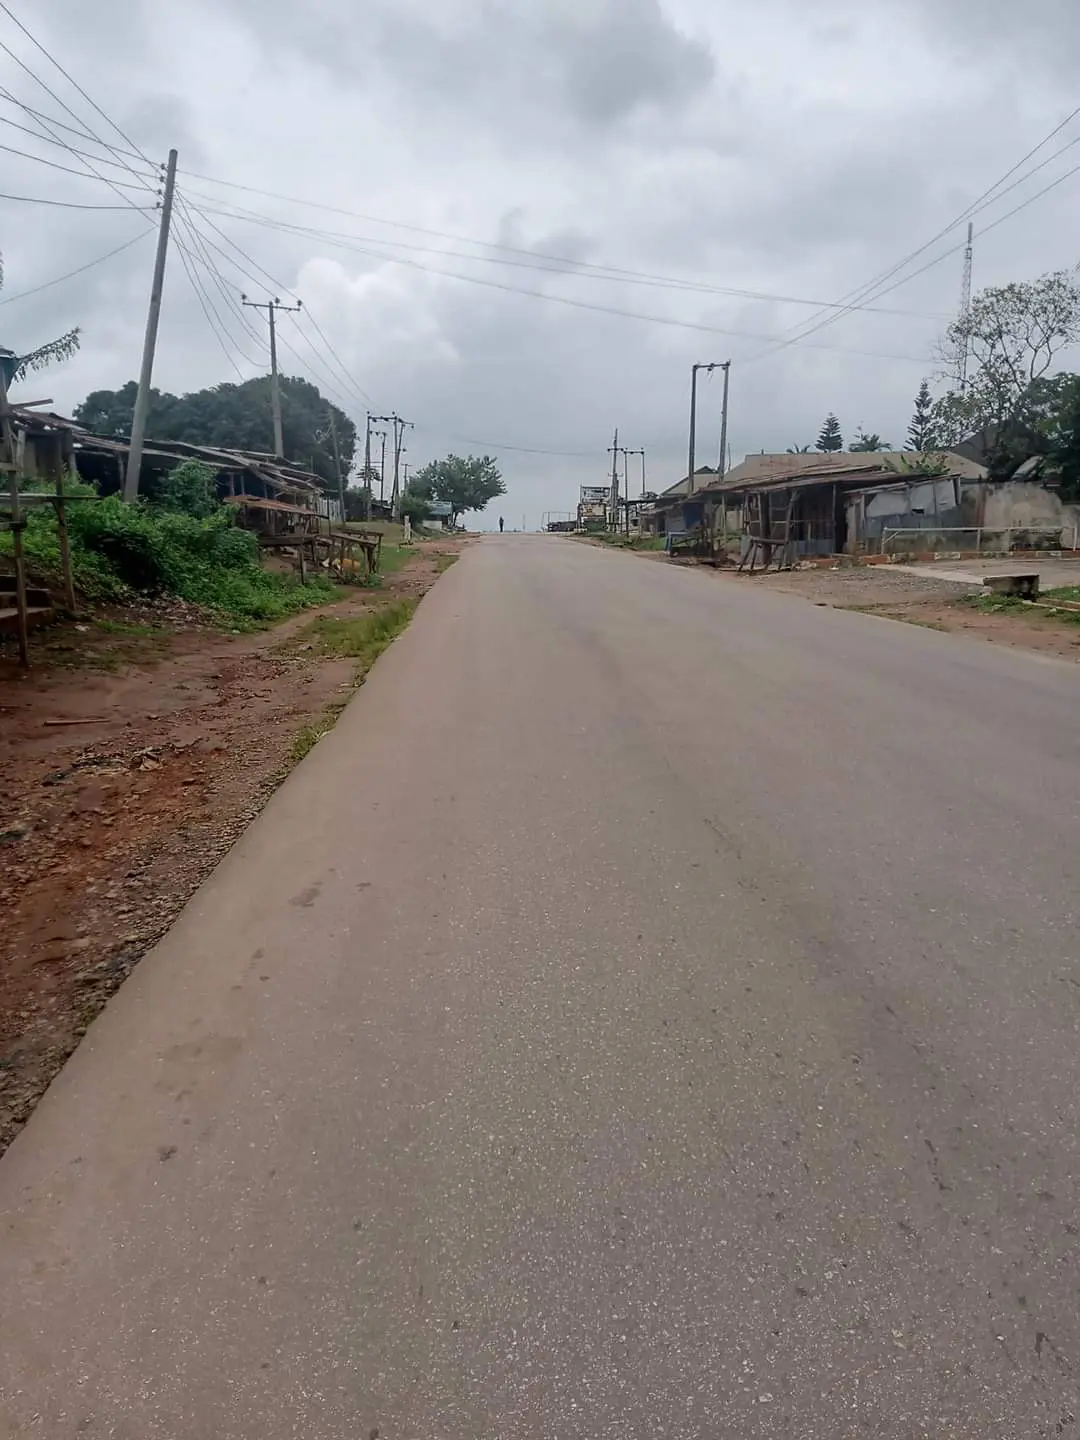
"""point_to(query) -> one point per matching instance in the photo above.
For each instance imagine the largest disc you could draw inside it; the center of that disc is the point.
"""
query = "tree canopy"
(463, 482)
(865, 444)
(920, 428)
(830, 438)
(233, 416)
(997, 357)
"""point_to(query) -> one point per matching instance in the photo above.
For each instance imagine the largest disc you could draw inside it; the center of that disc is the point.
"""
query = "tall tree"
(234, 417)
(920, 428)
(463, 482)
(996, 355)
(865, 444)
(830, 439)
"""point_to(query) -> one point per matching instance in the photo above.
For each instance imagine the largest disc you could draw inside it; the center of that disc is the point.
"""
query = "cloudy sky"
(500, 176)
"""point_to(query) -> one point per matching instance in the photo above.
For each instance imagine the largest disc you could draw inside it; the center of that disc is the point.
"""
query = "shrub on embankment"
(184, 543)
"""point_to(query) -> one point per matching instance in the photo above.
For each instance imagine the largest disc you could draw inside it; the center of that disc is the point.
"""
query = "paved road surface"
(652, 1012)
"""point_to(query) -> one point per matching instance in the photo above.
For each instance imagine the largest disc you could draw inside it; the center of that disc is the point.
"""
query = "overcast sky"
(782, 148)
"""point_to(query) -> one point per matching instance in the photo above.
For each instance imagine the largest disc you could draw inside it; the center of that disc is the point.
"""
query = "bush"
(191, 488)
(147, 548)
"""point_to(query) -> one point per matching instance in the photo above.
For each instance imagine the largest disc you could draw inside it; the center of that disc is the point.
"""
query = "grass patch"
(443, 562)
(310, 735)
(362, 638)
(124, 627)
(1069, 593)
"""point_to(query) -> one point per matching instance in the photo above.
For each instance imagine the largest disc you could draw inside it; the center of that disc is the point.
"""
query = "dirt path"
(131, 757)
(928, 601)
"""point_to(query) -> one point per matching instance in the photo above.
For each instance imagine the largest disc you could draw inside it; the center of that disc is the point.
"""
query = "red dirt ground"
(134, 752)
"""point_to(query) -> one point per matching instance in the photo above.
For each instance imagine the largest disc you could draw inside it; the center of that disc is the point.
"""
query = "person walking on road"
(502, 524)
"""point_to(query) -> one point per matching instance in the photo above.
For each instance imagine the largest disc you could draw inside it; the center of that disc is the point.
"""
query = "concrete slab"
(1052, 572)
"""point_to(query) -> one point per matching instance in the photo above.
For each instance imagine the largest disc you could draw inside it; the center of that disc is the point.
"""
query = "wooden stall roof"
(255, 502)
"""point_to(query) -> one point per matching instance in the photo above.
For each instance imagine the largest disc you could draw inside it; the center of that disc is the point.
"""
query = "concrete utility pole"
(640, 452)
(337, 467)
(399, 427)
(381, 435)
(270, 306)
(726, 367)
(142, 398)
(614, 496)
(716, 365)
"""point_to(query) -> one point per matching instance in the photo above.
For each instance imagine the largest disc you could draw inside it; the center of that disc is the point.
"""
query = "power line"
(341, 364)
(945, 255)
(308, 233)
(71, 81)
(342, 369)
(42, 118)
(23, 294)
(554, 265)
(207, 306)
(870, 289)
(55, 165)
(72, 204)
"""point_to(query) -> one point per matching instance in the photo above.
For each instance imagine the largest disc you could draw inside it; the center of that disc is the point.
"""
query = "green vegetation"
(118, 550)
(310, 735)
(362, 638)
(236, 416)
(443, 562)
(464, 483)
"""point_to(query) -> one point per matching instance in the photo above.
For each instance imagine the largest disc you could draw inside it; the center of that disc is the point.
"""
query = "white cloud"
(791, 149)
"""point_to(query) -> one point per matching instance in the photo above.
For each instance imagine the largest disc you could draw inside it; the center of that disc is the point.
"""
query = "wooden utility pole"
(270, 306)
(142, 398)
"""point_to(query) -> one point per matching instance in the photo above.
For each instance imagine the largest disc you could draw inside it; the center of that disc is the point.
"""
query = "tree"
(830, 439)
(865, 444)
(798, 450)
(236, 417)
(465, 483)
(996, 355)
(919, 431)
(415, 505)
(17, 367)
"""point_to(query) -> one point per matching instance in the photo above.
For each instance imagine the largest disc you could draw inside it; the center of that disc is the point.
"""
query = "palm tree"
(865, 444)
(798, 449)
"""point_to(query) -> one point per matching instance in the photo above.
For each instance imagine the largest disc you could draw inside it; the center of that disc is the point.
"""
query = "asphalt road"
(652, 1012)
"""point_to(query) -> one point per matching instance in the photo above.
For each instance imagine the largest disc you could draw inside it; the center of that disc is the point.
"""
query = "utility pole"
(693, 419)
(722, 468)
(614, 499)
(337, 467)
(367, 466)
(270, 306)
(381, 435)
(640, 452)
(965, 304)
(399, 427)
(142, 398)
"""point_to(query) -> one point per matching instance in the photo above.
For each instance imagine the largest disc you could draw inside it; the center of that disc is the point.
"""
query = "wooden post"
(62, 536)
(7, 448)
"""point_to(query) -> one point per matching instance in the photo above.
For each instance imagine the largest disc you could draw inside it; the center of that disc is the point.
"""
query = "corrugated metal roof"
(757, 471)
